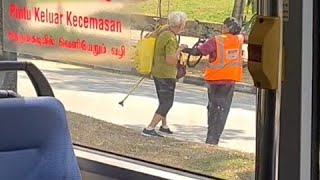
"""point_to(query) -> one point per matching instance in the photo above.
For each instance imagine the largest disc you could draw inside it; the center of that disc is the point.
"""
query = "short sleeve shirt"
(166, 44)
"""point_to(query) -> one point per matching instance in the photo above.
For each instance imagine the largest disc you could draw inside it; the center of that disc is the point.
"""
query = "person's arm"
(171, 52)
(192, 51)
(207, 48)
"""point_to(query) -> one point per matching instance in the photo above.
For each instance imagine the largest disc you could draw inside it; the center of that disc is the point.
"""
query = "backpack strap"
(157, 32)
(161, 32)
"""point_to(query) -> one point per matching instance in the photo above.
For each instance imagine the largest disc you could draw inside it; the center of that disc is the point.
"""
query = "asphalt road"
(97, 93)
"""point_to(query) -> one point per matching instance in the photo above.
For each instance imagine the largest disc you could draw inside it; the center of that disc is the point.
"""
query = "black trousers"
(219, 103)
(165, 90)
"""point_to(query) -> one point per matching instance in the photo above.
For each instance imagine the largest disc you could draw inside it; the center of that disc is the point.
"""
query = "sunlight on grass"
(214, 11)
(191, 156)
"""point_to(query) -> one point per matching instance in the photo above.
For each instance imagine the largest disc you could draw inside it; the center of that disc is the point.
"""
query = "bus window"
(86, 50)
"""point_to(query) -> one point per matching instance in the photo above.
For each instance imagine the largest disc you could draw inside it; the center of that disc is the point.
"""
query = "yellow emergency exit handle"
(264, 53)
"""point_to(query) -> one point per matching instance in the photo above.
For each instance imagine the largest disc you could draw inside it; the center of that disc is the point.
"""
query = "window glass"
(86, 49)
(315, 95)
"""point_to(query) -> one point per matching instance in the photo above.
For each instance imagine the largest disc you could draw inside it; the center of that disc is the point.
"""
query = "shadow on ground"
(199, 133)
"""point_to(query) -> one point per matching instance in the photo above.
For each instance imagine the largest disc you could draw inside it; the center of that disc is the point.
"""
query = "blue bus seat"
(35, 142)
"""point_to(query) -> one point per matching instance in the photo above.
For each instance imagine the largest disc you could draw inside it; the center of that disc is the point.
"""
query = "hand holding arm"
(180, 49)
(192, 51)
(207, 48)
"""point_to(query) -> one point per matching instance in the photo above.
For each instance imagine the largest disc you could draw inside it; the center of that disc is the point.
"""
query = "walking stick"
(134, 87)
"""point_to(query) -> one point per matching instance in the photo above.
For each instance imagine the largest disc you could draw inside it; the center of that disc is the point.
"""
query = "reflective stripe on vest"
(221, 51)
(228, 63)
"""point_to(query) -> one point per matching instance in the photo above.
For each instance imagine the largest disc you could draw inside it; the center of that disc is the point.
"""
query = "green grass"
(214, 11)
(195, 157)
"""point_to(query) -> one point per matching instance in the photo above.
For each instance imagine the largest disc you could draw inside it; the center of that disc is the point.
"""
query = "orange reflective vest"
(228, 63)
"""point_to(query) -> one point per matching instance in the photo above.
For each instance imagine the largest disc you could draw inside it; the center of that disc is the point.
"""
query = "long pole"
(268, 113)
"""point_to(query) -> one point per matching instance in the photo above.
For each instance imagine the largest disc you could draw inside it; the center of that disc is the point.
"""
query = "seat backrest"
(35, 142)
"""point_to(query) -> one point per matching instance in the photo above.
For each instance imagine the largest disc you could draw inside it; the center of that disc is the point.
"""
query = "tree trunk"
(238, 9)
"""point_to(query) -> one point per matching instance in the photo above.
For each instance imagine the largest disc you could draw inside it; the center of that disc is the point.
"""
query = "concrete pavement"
(189, 79)
(97, 93)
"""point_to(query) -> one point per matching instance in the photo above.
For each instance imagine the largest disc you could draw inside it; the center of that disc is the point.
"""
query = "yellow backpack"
(143, 58)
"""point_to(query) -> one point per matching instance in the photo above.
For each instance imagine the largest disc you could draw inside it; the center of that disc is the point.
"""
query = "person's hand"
(183, 46)
(180, 49)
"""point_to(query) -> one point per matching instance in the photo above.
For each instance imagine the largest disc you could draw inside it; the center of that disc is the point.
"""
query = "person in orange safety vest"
(224, 68)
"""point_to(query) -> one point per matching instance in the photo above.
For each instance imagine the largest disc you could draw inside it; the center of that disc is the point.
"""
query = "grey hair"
(177, 18)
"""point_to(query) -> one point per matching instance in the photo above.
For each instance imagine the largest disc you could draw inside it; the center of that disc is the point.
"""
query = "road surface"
(97, 93)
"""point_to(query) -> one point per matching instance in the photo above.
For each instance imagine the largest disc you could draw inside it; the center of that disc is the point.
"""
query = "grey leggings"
(165, 90)
(220, 99)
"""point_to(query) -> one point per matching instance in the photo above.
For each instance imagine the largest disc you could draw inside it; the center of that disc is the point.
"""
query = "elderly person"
(164, 70)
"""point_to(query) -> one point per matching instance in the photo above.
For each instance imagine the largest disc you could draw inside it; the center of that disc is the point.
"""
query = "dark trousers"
(165, 90)
(219, 103)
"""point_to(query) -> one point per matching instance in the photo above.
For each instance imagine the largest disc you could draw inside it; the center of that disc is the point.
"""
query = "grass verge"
(214, 11)
(196, 157)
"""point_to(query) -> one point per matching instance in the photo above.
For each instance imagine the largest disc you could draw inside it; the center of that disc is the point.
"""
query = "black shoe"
(149, 133)
(165, 130)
